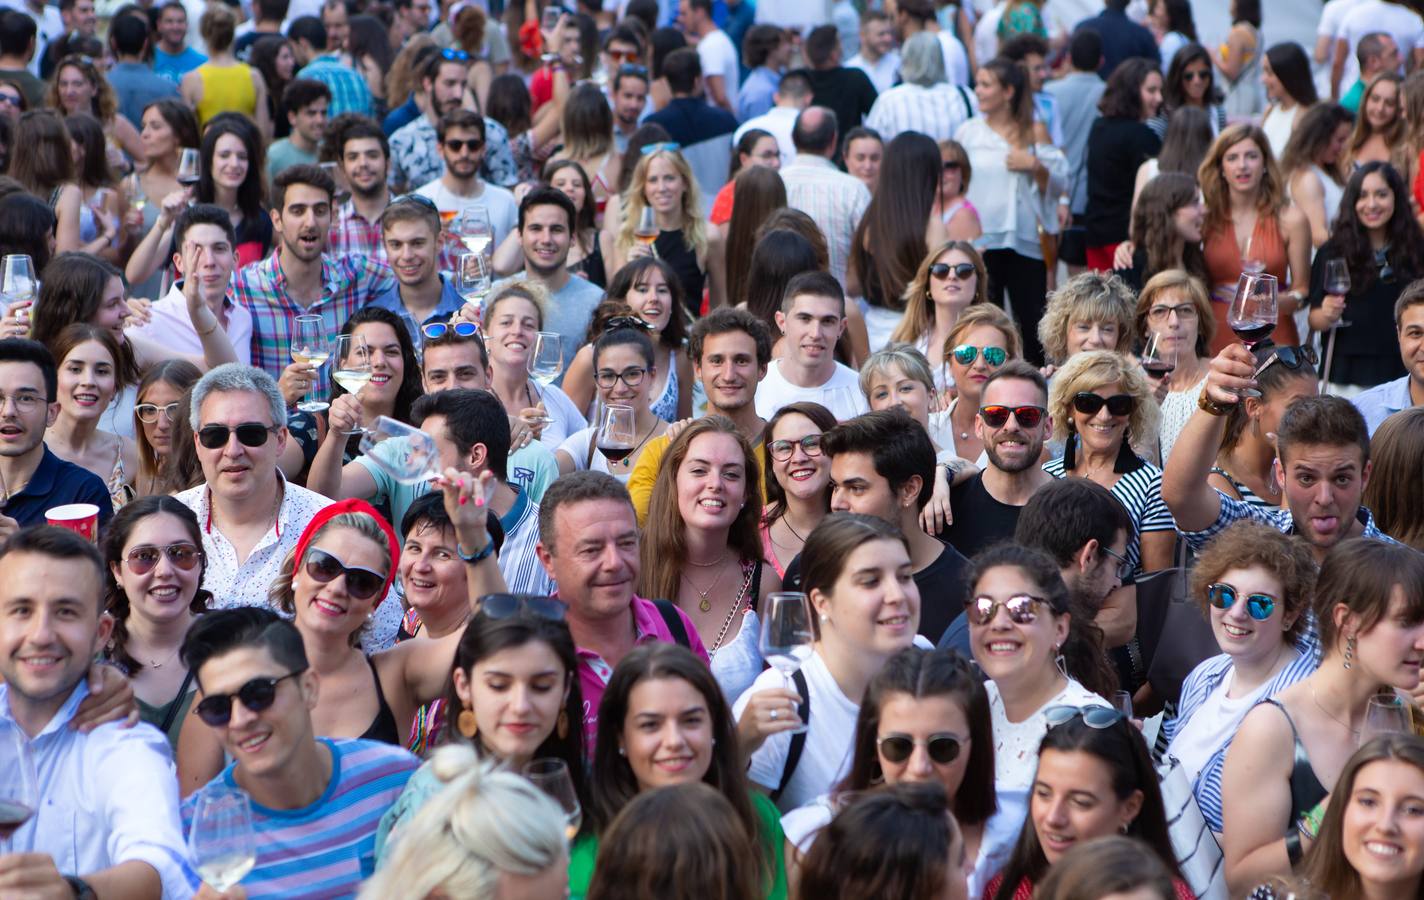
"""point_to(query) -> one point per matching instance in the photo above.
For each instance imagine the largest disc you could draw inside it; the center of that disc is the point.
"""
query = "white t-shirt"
(566, 416)
(1212, 725)
(719, 57)
(956, 58)
(775, 392)
(576, 446)
(986, 33)
(497, 202)
(1399, 22)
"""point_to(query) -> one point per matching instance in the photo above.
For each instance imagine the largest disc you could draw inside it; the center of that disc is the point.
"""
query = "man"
(835, 200)
(1122, 37)
(204, 261)
(1403, 25)
(48, 22)
(730, 350)
(414, 16)
(878, 58)
(17, 50)
(1377, 53)
(793, 95)
(134, 83)
(415, 147)
(316, 802)
(766, 52)
(914, 16)
(173, 58)
(410, 233)
(702, 130)
(588, 543)
(338, 29)
(114, 836)
(847, 92)
(721, 75)
(812, 319)
(461, 136)
(81, 20)
(629, 99)
(1384, 400)
(349, 91)
(300, 279)
(925, 101)
(307, 103)
(1076, 95)
(267, 18)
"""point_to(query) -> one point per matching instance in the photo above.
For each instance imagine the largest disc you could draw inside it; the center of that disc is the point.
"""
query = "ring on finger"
(775, 714)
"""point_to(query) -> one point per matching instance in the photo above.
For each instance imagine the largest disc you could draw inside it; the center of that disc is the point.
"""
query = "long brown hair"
(889, 242)
(1154, 230)
(105, 102)
(919, 317)
(819, 416)
(176, 373)
(1395, 493)
(1013, 76)
(1270, 197)
(759, 192)
(1363, 130)
(47, 161)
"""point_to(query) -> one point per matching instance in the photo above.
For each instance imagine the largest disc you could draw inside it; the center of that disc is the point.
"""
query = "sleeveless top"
(737, 662)
(226, 89)
(168, 718)
(1331, 192)
(673, 250)
(1277, 124)
(665, 407)
(383, 727)
(1305, 788)
(1223, 268)
(1244, 97)
(962, 203)
(1247, 496)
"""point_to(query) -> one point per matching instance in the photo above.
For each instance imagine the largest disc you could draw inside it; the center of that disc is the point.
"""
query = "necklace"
(1344, 725)
(704, 604)
(627, 461)
(747, 572)
(720, 560)
(154, 664)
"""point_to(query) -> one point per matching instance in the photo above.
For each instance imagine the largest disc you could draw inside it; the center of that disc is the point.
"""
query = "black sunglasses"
(502, 606)
(456, 145)
(942, 748)
(962, 271)
(951, 165)
(256, 695)
(249, 434)
(998, 416)
(361, 584)
(1089, 403)
(1098, 717)
(1290, 357)
(1258, 606)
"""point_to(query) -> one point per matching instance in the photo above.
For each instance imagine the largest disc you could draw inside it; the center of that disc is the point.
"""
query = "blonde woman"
(587, 130)
(1093, 311)
(983, 339)
(950, 279)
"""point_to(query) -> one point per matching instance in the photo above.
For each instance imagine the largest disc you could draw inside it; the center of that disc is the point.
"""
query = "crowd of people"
(662, 451)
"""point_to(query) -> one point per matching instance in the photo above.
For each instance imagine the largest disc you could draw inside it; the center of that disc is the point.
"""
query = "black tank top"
(673, 250)
(383, 727)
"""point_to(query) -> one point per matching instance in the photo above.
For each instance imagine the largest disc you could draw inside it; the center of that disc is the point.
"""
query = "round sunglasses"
(942, 748)
(1020, 607)
(965, 354)
(998, 416)
(1224, 596)
(361, 584)
(1090, 404)
(962, 271)
(256, 695)
(184, 556)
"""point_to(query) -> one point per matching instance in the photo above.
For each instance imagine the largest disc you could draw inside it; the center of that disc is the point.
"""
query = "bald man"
(814, 185)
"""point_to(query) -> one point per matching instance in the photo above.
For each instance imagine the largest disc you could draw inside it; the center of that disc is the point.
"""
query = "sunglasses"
(622, 56)
(951, 165)
(1124, 565)
(634, 70)
(1098, 717)
(1290, 357)
(257, 695)
(981, 610)
(998, 416)
(148, 413)
(249, 434)
(782, 450)
(1089, 403)
(455, 145)
(962, 271)
(1224, 596)
(361, 584)
(1197, 76)
(10, 100)
(502, 606)
(415, 198)
(660, 147)
(142, 560)
(454, 55)
(965, 354)
(634, 322)
(437, 330)
(942, 748)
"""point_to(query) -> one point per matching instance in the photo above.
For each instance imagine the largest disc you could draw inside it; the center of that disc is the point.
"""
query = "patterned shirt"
(349, 91)
(937, 111)
(350, 282)
(832, 198)
(415, 155)
(352, 233)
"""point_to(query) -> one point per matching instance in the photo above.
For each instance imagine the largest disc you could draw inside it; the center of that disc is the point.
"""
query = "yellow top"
(645, 475)
(226, 89)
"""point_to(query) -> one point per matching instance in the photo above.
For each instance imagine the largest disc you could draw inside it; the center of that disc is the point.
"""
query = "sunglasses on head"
(249, 434)
(185, 556)
(942, 748)
(1224, 596)
(634, 70)
(454, 55)
(148, 413)
(502, 606)
(634, 322)
(965, 354)
(256, 695)
(456, 145)
(362, 584)
(436, 330)
(782, 450)
(660, 147)
(1089, 403)
(1290, 357)
(418, 199)
(998, 416)
(1098, 717)
(981, 610)
(962, 271)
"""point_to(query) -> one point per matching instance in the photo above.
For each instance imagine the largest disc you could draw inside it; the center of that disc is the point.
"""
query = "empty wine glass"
(222, 840)
(19, 793)
(1157, 359)
(552, 777)
(1337, 281)
(546, 363)
(311, 347)
(17, 282)
(617, 433)
(787, 636)
(189, 167)
(1122, 702)
(353, 365)
(406, 453)
(1253, 312)
(1385, 714)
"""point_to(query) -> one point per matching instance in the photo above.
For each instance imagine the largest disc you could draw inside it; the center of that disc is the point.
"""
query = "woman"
(646, 135)
(1108, 867)
(392, 390)
(88, 358)
(1173, 306)
(1244, 462)
(1172, 24)
(1016, 192)
(663, 181)
(1095, 778)
(798, 486)
(1256, 586)
(755, 148)
(1290, 750)
(898, 227)
(762, 192)
(78, 86)
(514, 315)
(1189, 82)
(1093, 311)
(1101, 402)
(274, 60)
(507, 102)
(1313, 163)
(369, 45)
(577, 53)
(1290, 91)
(26, 227)
(701, 548)
(948, 281)
(1239, 60)
(982, 339)
(168, 127)
(1382, 247)
(1250, 226)
(1185, 144)
(154, 562)
(898, 375)
(856, 571)
(586, 250)
(1379, 129)
(779, 256)
(624, 370)
(662, 703)
(1392, 494)
(925, 719)
(1118, 144)
(156, 414)
(1407, 155)
(47, 170)
(222, 84)
(587, 133)
(862, 149)
(960, 218)
(101, 207)
(1166, 230)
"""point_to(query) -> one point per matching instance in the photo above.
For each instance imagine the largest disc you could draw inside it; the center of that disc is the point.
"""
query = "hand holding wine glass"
(617, 433)
(353, 365)
(1254, 312)
(787, 637)
(551, 776)
(222, 840)
(311, 348)
(19, 791)
(1337, 285)
(646, 231)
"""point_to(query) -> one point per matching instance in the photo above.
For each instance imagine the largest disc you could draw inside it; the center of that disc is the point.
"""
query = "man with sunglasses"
(812, 319)
(422, 295)
(416, 156)
(461, 134)
(107, 821)
(316, 802)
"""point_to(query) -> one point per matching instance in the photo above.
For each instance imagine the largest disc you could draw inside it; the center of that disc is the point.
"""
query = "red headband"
(341, 507)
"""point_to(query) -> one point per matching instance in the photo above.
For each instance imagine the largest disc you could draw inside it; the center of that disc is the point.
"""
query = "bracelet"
(1210, 406)
(477, 556)
(203, 334)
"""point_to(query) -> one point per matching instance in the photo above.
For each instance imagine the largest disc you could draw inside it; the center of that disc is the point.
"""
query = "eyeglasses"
(361, 584)
(502, 606)
(1290, 357)
(942, 748)
(455, 145)
(782, 450)
(1124, 565)
(951, 165)
(25, 403)
(631, 376)
(634, 70)
(415, 198)
(1098, 717)
(965, 354)
(998, 416)
(148, 413)
(185, 556)
(634, 322)
(1182, 311)
(249, 434)
(981, 610)
(454, 55)
(257, 695)
(436, 330)
(1089, 403)
(962, 271)
(660, 147)
(1224, 596)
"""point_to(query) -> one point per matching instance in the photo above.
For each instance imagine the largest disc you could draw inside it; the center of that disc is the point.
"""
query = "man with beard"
(461, 136)
(415, 147)
(629, 96)
(812, 317)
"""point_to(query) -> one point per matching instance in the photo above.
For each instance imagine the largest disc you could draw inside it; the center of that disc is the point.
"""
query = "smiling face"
(162, 594)
(86, 381)
(364, 164)
(511, 328)
(431, 570)
(462, 150)
(262, 743)
(1087, 334)
(216, 259)
(1006, 650)
(453, 366)
(1246, 640)
(1101, 432)
(862, 160)
(328, 608)
(1411, 340)
(412, 251)
(665, 187)
(516, 694)
(1323, 486)
(595, 557)
(891, 387)
(812, 325)
(711, 482)
(230, 163)
(800, 475)
(113, 311)
(650, 298)
(922, 718)
(310, 120)
(970, 379)
(387, 363)
(874, 606)
(1382, 830)
(545, 238)
(1072, 801)
(629, 101)
(667, 735)
(568, 182)
(1391, 650)
(990, 92)
(1013, 447)
(624, 360)
(1381, 106)
(1375, 205)
(159, 432)
(1151, 94)
(729, 370)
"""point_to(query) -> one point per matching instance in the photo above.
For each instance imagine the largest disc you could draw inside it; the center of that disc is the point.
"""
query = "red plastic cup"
(81, 518)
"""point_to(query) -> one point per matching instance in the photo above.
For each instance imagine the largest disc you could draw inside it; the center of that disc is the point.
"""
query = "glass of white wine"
(310, 347)
(551, 776)
(546, 362)
(133, 189)
(474, 230)
(17, 282)
(353, 365)
(223, 840)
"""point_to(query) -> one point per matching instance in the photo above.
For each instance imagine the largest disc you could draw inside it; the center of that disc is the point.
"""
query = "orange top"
(1223, 268)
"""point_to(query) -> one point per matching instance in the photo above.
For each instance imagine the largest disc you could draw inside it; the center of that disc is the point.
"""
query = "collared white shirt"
(172, 327)
(778, 122)
(833, 199)
(937, 110)
(106, 798)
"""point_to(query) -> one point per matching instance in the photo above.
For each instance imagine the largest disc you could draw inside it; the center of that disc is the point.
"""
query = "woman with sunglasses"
(514, 315)
(982, 339)
(1189, 82)
(1245, 460)
(1174, 307)
(624, 372)
(798, 486)
(154, 561)
(663, 721)
(949, 279)
(88, 380)
(1095, 779)
(924, 719)
(1290, 750)
(1381, 246)
(155, 415)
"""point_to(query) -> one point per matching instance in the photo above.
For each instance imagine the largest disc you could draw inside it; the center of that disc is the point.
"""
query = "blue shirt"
(450, 302)
(136, 86)
(1122, 39)
(55, 483)
(349, 91)
(757, 93)
(692, 120)
(401, 116)
(174, 67)
(1382, 401)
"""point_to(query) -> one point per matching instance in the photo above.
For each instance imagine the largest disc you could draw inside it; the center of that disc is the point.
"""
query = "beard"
(1014, 467)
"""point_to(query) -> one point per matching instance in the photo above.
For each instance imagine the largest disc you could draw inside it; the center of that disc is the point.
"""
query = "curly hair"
(1153, 229)
(919, 317)
(1270, 197)
(1093, 369)
(1403, 238)
(1087, 297)
(105, 103)
(1250, 544)
(1313, 133)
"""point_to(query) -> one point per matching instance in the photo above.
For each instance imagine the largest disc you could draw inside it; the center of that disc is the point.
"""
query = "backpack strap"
(964, 95)
(670, 615)
(798, 740)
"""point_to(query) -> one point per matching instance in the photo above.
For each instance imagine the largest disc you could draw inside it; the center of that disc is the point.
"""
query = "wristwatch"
(1208, 405)
(80, 887)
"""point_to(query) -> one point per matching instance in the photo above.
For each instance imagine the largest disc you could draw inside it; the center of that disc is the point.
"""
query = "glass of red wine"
(1337, 281)
(617, 435)
(1253, 313)
(1158, 359)
(19, 793)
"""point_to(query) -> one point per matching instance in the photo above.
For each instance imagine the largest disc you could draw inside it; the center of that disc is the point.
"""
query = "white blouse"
(1010, 206)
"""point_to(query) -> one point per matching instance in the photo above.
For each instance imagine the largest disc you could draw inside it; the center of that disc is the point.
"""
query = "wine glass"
(474, 230)
(189, 167)
(546, 363)
(342, 193)
(1122, 702)
(133, 189)
(1253, 312)
(353, 365)
(1385, 714)
(787, 635)
(17, 282)
(472, 279)
(617, 433)
(310, 346)
(647, 231)
(1159, 361)
(1337, 281)
(222, 840)
(19, 791)
(551, 776)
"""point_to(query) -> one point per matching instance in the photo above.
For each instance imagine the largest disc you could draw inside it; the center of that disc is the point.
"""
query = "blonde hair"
(986, 314)
(281, 594)
(1394, 132)
(909, 360)
(1090, 370)
(919, 317)
(1087, 297)
(484, 822)
(525, 289)
(694, 226)
(1178, 280)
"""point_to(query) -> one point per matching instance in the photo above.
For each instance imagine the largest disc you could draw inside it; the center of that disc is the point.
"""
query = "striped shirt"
(835, 200)
(328, 848)
(1140, 493)
(937, 110)
(518, 562)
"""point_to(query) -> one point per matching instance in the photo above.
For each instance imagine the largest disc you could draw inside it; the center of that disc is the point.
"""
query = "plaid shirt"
(351, 233)
(349, 91)
(351, 281)
(415, 155)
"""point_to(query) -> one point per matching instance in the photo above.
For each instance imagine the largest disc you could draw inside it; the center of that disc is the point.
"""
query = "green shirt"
(1351, 100)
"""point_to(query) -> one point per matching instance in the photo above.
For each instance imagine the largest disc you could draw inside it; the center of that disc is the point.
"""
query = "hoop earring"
(1349, 652)
(563, 726)
(466, 723)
